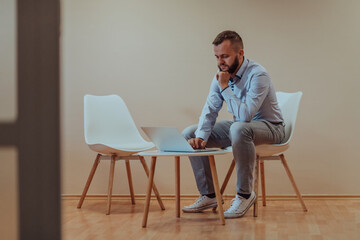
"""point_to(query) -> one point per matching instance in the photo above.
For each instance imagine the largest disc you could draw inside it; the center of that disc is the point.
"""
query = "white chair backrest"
(107, 120)
(289, 105)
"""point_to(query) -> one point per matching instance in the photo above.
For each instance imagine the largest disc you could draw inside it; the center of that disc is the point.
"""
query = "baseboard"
(226, 197)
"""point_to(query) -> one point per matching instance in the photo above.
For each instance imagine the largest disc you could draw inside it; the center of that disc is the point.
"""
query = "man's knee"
(189, 132)
(241, 131)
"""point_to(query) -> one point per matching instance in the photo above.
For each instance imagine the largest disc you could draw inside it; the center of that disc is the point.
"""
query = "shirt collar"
(241, 71)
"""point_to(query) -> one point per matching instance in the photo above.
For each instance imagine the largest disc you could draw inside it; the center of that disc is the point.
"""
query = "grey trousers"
(242, 136)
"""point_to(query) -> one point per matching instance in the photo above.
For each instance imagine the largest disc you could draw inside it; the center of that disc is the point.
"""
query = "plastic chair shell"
(109, 128)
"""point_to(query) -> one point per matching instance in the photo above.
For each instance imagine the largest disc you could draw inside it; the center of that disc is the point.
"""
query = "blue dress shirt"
(250, 96)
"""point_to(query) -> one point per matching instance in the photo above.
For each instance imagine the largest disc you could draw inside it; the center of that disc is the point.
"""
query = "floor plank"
(325, 220)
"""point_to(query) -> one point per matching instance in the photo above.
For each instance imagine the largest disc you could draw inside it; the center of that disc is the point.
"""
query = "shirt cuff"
(224, 89)
(203, 135)
(227, 93)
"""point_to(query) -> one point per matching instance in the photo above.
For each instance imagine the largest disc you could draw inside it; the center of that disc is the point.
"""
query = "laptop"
(169, 139)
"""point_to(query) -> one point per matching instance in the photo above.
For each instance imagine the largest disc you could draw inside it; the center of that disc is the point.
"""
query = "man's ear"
(241, 52)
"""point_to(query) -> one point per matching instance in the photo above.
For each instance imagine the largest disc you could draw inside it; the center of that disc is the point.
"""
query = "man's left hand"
(223, 79)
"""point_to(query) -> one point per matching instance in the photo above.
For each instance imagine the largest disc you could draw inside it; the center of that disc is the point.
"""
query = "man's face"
(227, 59)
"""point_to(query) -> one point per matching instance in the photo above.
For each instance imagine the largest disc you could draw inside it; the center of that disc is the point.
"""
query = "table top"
(207, 153)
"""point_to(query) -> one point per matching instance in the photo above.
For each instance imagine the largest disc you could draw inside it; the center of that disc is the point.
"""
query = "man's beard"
(233, 66)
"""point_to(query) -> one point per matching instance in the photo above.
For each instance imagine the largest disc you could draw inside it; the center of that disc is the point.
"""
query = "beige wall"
(8, 110)
(158, 56)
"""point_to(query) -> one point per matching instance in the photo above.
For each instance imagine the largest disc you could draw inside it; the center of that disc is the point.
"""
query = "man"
(247, 89)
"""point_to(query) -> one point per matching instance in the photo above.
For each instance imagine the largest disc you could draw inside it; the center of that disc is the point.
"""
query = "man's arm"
(210, 111)
(246, 108)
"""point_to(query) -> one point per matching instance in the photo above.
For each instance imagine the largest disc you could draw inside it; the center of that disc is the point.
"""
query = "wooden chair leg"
(227, 178)
(177, 185)
(256, 185)
(292, 180)
(111, 180)
(88, 182)
(128, 171)
(262, 175)
(157, 194)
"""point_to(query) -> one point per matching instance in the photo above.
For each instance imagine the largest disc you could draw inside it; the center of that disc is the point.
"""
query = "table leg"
(177, 185)
(148, 192)
(217, 189)
(157, 194)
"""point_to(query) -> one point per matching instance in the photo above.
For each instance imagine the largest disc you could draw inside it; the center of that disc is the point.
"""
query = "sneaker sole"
(238, 215)
(200, 209)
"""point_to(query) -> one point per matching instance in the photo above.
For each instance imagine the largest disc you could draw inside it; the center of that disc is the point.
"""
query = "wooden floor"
(326, 219)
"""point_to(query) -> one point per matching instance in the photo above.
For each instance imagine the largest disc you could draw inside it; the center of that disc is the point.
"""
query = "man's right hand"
(223, 79)
(197, 143)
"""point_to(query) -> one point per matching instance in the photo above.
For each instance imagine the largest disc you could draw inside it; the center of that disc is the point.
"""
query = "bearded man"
(250, 97)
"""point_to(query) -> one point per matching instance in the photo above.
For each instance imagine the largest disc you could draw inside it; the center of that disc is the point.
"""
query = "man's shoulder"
(255, 69)
(255, 66)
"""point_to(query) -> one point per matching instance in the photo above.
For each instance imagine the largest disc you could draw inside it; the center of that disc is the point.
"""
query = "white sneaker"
(239, 206)
(202, 203)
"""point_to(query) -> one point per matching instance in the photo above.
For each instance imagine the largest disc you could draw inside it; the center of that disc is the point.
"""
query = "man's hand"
(223, 79)
(197, 143)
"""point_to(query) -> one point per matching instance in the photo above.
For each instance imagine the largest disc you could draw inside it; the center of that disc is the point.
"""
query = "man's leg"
(200, 165)
(244, 136)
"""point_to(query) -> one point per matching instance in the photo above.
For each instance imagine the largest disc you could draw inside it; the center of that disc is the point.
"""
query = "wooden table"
(177, 155)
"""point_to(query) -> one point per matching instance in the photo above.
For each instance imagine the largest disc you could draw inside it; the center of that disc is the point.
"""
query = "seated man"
(249, 94)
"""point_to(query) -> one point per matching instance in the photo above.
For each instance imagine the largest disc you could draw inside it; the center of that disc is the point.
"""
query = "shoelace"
(235, 203)
(200, 199)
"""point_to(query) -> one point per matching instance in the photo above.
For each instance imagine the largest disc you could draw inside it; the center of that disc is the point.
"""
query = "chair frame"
(260, 170)
(109, 148)
(113, 158)
(271, 152)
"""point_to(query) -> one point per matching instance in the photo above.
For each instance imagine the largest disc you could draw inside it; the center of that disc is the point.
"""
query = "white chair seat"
(270, 149)
(123, 150)
(267, 149)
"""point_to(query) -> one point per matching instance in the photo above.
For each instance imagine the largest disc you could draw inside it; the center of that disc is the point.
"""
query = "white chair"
(111, 132)
(289, 105)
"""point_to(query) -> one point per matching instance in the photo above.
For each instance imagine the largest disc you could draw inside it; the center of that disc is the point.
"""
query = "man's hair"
(235, 39)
